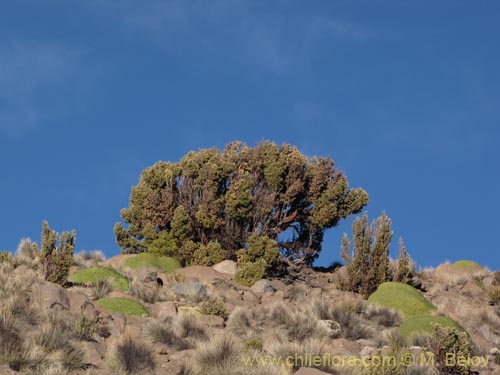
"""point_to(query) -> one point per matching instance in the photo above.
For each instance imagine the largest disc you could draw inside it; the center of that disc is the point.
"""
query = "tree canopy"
(226, 196)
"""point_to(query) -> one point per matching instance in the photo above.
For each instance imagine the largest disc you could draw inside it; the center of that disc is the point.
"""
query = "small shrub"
(27, 249)
(300, 350)
(163, 263)
(90, 276)
(131, 356)
(143, 292)
(85, 328)
(214, 306)
(221, 355)
(494, 294)
(57, 254)
(5, 257)
(86, 257)
(163, 332)
(254, 343)
(450, 340)
(383, 316)
(249, 273)
(101, 288)
(187, 326)
(123, 306)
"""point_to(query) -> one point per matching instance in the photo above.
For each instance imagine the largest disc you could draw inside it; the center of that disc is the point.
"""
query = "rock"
(211, 321)
(366, 352)
(331, 327)
(263, 286)
(227, 267)
(76, 301)
(310, 371)
(5, 370)
(163, 310)
(472, 290)
(145, 274)
(183, 355)
(118, 261)
(93, 354)
(51, 296)
(202, 273)
(194, 291)
(271, 298)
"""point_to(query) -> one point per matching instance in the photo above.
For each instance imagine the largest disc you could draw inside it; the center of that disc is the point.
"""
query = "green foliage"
(403, 298)
(254, 344)
(368, 264)
(210, 254)
(166, 264)
(249, 273)
(463, 264)
(123, 306)
(225, 196)
(259, 247)
(97, 273)
(405, 268)
(85, 327)
(214, 306)
(448, 340)
(57, 254)
(424, 325)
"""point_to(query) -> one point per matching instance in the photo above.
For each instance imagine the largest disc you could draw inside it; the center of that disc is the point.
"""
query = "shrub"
(163, 332)
(405, 268)
(249, 273)
(221, 355)
(85, 327)
(187, 326)
(130, 356)
(424, 325)
(446, 340)
(145, 293)
(101, 288)
(208, 255)
(259, 247)
(494, 294)
(300, 350)
(93, 257)
(57, 254)
(383, 316)
(27, 249)
(6, 257)
(254, 343)
(463, 264)
(214, 306)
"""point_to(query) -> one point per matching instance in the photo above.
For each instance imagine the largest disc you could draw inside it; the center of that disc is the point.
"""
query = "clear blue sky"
(403, 95)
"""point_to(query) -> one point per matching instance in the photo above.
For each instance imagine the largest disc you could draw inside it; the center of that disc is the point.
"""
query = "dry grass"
(383, 316)
(164, 332)
(130, 356)
(87, 258)
(145, 293)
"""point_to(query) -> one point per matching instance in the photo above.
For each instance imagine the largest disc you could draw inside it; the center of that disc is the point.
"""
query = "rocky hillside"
(144, 314)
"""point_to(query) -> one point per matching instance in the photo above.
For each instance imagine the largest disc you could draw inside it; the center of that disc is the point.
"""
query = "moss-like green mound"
(423, 324)
(403, 298)
(123, 306)
(166, 264)
(93, 274)
(462, 264)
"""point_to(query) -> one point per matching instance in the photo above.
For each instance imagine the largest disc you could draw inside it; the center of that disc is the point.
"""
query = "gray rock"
(227, 267)
(263, 286)
(190, 290)
(51, 296)
(163, 310)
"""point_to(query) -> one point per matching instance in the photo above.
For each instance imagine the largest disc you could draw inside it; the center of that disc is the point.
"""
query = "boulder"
(202, 273)
(211, 321)
(76, 301)
(51, 296)
(144, 274)
(227, 267)
(263, 286)
(190, 290)
(163, 310)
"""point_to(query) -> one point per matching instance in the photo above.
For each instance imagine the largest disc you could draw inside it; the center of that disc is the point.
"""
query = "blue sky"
(403, 95)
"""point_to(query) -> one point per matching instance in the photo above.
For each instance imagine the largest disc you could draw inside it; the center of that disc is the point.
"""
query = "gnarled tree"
(225, 196)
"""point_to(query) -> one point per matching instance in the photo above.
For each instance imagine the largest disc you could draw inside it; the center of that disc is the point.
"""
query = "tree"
(225, 196)
(368, 263)
(57, 254)
(405, 267)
